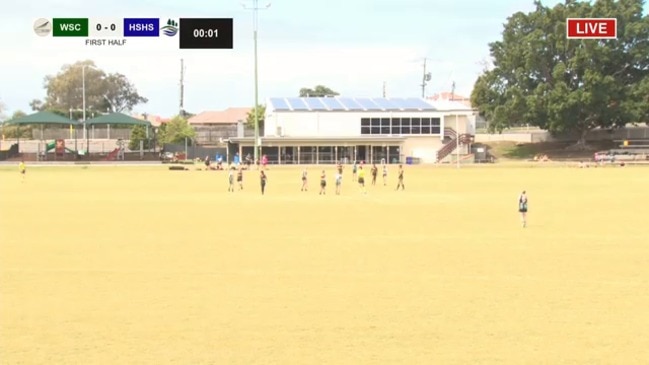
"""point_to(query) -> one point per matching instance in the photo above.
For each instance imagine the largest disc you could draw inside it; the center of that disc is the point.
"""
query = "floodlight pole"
(457, 141)
(255, 20)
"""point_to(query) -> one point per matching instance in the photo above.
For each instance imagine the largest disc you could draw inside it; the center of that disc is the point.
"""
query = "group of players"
(358, 175)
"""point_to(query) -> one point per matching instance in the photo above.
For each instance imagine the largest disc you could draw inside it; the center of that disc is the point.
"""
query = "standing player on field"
(339, 182)
(305, 184)
(375, 172)
(522, 208)
(385, 174)
(361, 179)
(262, 180)
(231, 181)
(400, 183)
(23, 169)
(240, 178)
(323, 182)
(354, 171)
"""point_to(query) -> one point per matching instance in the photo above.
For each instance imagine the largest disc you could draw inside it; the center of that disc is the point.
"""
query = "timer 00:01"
(202, 33)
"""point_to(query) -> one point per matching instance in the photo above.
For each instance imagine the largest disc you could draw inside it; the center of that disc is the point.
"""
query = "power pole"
(255, 20)
(182, 87)
(453, 91)
(427, 77)
(384, 89)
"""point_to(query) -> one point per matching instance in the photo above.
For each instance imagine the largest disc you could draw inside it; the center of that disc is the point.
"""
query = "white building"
(326, 130)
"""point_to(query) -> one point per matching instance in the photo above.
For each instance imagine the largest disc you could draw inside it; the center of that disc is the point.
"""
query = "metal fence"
(93, 133)
(214, 134)
(197, 151)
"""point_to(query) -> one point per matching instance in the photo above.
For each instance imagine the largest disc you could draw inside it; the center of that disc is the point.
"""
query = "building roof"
(349, 104)
(227, 116)
(155, 120)
(116, 119)
(450, 96)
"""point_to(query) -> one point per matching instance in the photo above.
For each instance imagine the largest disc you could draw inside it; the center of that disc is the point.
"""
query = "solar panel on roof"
(314, 104)
(367, 104)
(411, 103)
(350, 104)
(386, 104)
(297, 104)
(332, 104)
(279, 104)
(422, 104)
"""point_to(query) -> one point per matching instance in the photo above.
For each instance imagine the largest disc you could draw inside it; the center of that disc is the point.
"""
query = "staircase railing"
(449, 147)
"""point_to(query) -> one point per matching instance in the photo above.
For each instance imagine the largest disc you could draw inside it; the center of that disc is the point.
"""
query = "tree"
(12, 131)
(250, 117)
(139, 133)
(120, 94)
(175, 131)
(567, 86)
(318, 91)
(104, 92)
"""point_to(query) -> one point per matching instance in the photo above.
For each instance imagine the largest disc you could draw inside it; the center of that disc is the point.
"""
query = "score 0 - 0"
(101, 28)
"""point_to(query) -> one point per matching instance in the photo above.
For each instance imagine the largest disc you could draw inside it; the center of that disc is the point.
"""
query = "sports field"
(141, 265)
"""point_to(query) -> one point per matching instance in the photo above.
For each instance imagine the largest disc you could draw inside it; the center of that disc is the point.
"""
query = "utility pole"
(255, 20)
(427, 77)
(453, 91)
(384, 89)
(182, 87)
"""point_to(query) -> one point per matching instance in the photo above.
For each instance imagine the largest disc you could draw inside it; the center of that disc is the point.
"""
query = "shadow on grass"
(554, 150)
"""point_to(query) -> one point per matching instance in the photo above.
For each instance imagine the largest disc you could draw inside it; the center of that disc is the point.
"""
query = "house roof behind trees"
(222, 117)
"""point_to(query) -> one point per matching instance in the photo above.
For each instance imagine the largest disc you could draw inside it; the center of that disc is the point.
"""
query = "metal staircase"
(451, 142)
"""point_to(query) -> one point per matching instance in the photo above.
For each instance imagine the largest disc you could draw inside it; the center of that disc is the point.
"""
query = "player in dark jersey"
(263, 179)
(375, 172)
(522, 208)
(400, 183)
(323, 183)
(340, 168)
(240, 178)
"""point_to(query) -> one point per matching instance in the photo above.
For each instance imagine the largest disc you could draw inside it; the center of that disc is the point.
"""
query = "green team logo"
(171, 29)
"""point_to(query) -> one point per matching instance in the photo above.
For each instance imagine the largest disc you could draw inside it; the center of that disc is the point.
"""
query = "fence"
(213, 134)
(197, 151)
(93, 133)
(9, 153)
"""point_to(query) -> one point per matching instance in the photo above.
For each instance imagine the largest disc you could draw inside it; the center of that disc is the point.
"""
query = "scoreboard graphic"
(190, 33)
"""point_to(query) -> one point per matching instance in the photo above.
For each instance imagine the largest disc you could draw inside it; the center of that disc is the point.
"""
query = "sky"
(353, 47)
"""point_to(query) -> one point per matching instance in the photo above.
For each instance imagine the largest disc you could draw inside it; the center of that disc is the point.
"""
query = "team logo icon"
(171, 29)
(42, 27)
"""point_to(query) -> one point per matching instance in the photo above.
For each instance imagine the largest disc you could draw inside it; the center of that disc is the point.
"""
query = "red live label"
(591, 28)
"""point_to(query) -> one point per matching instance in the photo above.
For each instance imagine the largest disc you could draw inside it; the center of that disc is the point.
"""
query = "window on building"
(375, 130)
(435, 130)
(436, 122)
(376, 122)
(365, 130)
(425, 122)
(405, 129)
(425, 129)
(396, 126)
(365, 122)
(405, 121)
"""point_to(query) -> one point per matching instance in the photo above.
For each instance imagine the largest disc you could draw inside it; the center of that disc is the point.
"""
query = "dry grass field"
(141, 265)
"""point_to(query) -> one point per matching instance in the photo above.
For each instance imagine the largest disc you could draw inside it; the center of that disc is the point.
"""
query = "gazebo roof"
(42, 118)
(117, 119)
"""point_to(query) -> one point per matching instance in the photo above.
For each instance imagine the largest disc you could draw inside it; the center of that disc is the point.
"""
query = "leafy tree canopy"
(175, 131)
(250, 117)
(567, 85)
(318, 91)
(104, 92)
